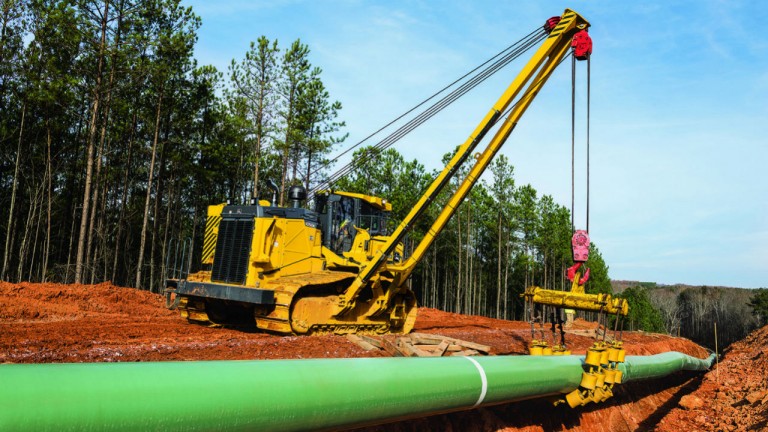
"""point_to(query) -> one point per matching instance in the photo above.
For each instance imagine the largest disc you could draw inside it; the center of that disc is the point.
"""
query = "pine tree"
(255, 80)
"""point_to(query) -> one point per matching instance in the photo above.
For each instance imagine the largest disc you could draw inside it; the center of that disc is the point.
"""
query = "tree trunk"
(23, 246)
(435, 297)
(123, 200)
(309, 168)
(102, 139)
(39, 196)
(155, 222)
(498, 270)
(506, 278)
(188, 265)
(143, 241)
(73, 186)
(3, 39)
(159, 192)
(49, 174)
(14, 188)
(91, 138)
(71, 241)
(287, 149)
(459, 270)
(256, 168)
(100, 255)
(31, 215)
(295, 161)
(468, 265)
(166, 229)
(97, 231)
(527, 266)
(284, 176)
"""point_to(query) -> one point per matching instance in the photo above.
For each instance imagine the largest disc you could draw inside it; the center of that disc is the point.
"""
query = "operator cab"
(343, 213)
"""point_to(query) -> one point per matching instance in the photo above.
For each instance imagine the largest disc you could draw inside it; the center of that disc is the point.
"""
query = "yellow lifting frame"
(579, 301)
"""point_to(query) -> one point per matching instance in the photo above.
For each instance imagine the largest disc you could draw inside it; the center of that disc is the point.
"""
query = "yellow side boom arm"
(526, 85)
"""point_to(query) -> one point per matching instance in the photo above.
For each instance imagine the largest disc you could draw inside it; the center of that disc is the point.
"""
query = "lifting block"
(575, 398)
(604, 357)
(616, 352)
(597, 395)
(607, 393)
(588, 380)
(536, 348)
(613, 354)
(595, 354)
(617, 377)
(600, 381)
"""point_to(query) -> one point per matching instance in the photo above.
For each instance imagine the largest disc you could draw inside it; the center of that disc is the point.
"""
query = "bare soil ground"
(731, 397)
(50, 323)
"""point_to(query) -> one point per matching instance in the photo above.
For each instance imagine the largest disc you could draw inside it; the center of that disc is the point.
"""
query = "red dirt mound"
(53, 323)
(733, 396)
(45, 323)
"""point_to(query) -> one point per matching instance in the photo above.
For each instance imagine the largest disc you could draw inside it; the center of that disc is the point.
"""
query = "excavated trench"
(50, 323)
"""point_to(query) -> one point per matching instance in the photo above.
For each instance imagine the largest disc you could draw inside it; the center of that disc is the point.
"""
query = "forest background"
(115, 141)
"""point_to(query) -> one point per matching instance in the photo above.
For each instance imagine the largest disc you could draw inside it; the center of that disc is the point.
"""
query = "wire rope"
(573, 139)
(503, 58)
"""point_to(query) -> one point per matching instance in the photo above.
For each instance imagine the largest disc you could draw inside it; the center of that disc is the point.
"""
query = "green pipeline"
(284, 395)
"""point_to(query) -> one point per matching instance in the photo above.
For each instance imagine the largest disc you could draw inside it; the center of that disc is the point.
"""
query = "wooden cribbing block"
(390, 348)
(465, 344)
(470, 352)
(357, 340)
(373, 341)
(404, 346)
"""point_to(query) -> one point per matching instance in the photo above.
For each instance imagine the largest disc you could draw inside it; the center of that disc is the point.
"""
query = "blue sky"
(679, 108)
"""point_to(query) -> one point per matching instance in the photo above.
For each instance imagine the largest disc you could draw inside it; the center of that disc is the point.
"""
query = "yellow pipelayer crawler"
(336, 269)
(286, 266)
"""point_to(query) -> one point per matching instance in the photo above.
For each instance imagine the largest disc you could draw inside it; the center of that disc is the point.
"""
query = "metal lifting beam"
(579, 301)
(285, 395)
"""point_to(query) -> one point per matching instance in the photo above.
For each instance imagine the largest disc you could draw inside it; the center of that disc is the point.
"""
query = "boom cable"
(589, 61)
(502, 59)
(573, 143)
(529, 92)
(573, 138)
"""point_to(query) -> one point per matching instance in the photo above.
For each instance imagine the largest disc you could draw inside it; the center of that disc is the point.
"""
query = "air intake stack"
(297, 194)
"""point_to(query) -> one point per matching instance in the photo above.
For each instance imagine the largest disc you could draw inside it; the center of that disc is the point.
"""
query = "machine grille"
(233, 247)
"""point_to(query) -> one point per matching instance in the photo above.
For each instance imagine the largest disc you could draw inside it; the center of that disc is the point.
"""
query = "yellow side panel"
(212, 222)
(301, 248)
(283, 247)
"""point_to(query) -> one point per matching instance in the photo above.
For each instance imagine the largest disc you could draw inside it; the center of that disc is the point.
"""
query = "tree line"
(115, 140)
(693, 312)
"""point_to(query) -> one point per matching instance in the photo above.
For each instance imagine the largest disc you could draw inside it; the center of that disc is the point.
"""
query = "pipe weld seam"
(483, 379)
